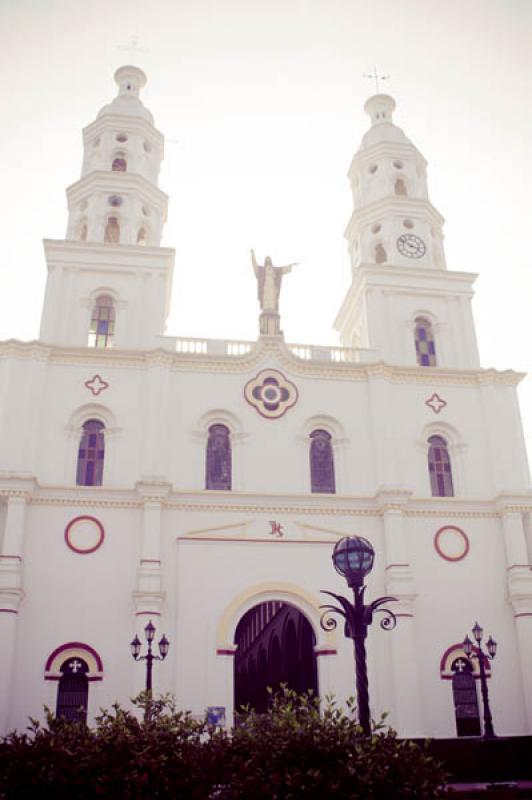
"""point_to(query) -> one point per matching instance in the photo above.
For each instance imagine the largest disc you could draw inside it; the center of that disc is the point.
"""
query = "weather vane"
(133, 48)
(376, 77)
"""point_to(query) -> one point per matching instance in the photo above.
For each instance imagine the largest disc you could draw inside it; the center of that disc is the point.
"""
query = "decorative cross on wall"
(96, 385)
(75, 665)
(436, 403)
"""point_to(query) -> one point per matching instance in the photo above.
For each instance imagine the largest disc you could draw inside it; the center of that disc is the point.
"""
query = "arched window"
(141, 236)
(465, 698)
(425, 347)
(321, 462)
(218, 458)
(441, 479)
(112, 231)
(73, 690)
(380, 254)
(83, 231)
(400, 187)
(102, 325)
(91, 454)
(119, 163)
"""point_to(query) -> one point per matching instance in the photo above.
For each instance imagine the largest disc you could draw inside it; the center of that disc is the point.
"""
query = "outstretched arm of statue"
(254, 262)
(288, 267)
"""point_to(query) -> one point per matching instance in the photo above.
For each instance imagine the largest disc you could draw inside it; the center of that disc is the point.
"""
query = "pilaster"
(399, 583)
(519, 589)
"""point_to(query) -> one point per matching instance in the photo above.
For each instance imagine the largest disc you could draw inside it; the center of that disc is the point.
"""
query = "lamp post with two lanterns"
(149, 658)
(353, 558)
(469, 650)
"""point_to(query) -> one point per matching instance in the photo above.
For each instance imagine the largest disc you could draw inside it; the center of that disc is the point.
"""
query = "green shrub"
(299, 749)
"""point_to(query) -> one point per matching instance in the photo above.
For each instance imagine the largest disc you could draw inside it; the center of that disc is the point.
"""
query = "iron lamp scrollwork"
(353, 558)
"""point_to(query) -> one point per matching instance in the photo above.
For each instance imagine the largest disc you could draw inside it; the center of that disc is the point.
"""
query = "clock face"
(411, 246)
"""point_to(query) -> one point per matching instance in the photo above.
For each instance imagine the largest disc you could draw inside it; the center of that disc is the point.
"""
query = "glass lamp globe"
(353, 558)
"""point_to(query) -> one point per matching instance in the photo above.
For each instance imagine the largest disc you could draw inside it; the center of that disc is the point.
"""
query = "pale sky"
(263, 105)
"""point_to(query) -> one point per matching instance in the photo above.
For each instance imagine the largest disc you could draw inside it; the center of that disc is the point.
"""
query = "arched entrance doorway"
(275, 645)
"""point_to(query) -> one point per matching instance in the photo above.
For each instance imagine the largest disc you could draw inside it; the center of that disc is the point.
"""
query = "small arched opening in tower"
(119, 163)
(400, 187)
(380, 254)
(112, 231)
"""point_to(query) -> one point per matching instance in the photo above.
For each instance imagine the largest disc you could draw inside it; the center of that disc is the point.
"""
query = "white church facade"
(202, 484)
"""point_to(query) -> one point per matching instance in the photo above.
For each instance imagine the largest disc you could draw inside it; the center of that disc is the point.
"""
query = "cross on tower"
(376, 77)
(133, 48)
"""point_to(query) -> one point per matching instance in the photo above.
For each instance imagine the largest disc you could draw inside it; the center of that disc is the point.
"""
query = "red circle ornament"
(74, 538)
(451, 543)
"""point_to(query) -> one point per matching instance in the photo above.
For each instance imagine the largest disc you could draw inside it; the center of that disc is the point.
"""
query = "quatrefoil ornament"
(270, 393)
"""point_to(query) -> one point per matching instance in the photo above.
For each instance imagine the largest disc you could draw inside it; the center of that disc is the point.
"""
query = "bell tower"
(111, 255)
(400, 280)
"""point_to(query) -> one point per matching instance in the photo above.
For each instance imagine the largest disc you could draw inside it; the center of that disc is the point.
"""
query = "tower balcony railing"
(235, 347)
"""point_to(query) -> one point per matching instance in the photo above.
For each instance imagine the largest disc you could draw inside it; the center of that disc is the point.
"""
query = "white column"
(148, 596)
(520, 596)
(327, 663)
(399, 584)
(11, 595)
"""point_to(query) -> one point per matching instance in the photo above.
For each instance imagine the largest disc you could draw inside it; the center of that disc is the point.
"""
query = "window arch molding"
(73, 432)
(339, 443)
(52, 669)
(86, 662)
(457, 651)
(289, 593)
(456, 448)
(237, 437)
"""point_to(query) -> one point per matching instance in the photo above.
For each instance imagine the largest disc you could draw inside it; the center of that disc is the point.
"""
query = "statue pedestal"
(270, 324)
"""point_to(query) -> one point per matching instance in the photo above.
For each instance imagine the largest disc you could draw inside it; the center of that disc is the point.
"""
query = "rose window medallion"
(271, 393)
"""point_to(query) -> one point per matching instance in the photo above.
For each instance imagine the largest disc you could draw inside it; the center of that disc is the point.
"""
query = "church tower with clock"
(145, 476)
(395, 240)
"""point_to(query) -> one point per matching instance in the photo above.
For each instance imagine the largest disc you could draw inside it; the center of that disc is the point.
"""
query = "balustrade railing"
(235, 347)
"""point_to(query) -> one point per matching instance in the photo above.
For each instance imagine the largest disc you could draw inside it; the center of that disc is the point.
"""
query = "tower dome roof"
(130, 81)
(380, 108)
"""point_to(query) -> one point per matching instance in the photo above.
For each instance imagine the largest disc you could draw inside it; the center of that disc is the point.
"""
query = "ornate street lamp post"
(149, 658)
(353, 558)
(469, 650)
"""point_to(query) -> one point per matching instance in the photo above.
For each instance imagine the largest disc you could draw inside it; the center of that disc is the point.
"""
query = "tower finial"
(376, 77)
(130, 80)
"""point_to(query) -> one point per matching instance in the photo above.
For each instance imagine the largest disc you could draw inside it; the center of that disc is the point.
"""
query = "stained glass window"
(91, 454)
(321, 462)
(73, 690)
(425, 347)
(441, 478)
(102, 326)
(218, 458)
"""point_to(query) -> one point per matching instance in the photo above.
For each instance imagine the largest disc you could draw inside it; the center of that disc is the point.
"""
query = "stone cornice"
(134, 125)
(365, 155)
(389, 206)
(14, 485)
(106, 181)
(90, 255)
(266, 348)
